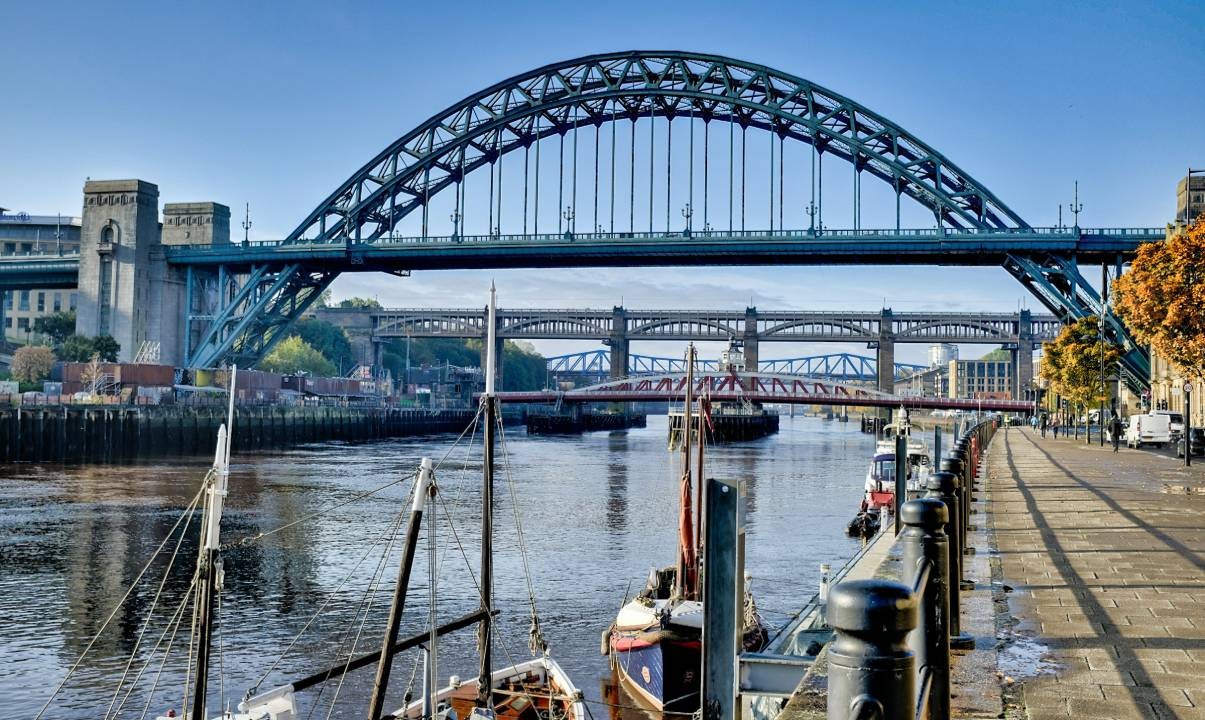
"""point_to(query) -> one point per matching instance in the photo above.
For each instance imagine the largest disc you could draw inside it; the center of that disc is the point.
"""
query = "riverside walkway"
(1098, 569)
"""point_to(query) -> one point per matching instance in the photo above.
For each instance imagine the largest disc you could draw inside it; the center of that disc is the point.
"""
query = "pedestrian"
(1045, 421)
(1055, 427)
(1115, 430)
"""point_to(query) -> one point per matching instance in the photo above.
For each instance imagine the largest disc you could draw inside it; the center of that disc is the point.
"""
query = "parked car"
(1151, 429)
(1196, 443)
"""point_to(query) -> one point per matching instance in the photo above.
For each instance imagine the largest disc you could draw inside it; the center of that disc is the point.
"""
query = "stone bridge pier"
(619, 343)
(885, 353)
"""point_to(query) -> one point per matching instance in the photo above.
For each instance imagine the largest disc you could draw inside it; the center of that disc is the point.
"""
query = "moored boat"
(655, 643)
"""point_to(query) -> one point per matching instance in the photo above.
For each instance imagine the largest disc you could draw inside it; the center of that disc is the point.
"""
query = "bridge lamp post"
(687, 213)
(1076, 207)
(455, 218)
(811, 210)
(568, 215)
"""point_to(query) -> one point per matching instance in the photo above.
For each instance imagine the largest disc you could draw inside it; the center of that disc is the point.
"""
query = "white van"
(1177, 420)
(1150, 429)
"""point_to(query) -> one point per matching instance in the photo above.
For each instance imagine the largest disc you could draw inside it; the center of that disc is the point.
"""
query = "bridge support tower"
(885, 354)
(1022, 356)
(750, 339)
(619, 343)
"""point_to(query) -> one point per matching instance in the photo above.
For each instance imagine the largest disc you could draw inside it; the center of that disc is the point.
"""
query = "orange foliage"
(1162, 298)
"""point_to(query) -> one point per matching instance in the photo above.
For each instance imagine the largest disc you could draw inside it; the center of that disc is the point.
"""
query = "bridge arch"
(558, 98)
(597, 89)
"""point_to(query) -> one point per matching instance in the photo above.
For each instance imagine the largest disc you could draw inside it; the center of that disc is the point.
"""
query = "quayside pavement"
(1098, 569)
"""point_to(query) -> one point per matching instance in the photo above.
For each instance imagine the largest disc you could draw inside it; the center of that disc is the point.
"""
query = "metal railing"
(890, 659)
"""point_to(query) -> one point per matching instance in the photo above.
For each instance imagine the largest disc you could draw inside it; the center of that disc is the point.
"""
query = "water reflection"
(617, 483)
(598, 512)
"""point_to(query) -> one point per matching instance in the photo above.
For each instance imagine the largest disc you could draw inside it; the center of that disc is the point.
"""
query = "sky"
(275, 104)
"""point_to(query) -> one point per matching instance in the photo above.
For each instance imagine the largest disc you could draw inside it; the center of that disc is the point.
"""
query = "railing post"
(925, 544)
(943, 486)
(872, 672)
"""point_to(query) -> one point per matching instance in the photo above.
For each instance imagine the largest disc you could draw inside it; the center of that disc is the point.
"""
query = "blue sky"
(275, 104)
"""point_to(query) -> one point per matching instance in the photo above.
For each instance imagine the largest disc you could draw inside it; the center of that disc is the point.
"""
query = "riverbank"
(102, 434)
(1099, 570)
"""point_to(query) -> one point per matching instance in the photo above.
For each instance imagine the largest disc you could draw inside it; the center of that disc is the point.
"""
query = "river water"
(597, 511)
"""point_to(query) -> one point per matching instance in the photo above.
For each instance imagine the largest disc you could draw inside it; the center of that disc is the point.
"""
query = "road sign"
(1187, 386)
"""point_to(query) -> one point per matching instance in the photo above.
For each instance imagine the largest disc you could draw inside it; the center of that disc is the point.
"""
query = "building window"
(71, 301)
(8, 323)
(8, 301)
(41, 302)
(23, 303)
(58, 302)
(23, 324)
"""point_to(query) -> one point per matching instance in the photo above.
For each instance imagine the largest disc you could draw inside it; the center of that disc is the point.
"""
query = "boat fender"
(604, 647)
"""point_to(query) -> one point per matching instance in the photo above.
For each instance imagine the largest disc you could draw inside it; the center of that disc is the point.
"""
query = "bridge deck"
(752, 247)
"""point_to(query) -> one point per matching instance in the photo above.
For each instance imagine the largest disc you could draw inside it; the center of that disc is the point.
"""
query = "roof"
(27, 219)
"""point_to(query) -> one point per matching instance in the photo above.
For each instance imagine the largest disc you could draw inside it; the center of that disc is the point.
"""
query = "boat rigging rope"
(535, 640)
(151, 612)
(244, 541)
(366, 602)
(497, 630)
(187, 512)
(391, 528)
(174, 625)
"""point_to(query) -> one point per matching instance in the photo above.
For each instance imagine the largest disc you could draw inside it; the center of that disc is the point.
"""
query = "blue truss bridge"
(634, 158)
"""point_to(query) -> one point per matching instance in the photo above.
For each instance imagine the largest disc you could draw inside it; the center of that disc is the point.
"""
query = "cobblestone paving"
(1102, 557)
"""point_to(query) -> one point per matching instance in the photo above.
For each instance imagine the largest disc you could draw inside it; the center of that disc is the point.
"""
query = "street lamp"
(455, 218)
(568, 215)
(1076, 207)
(686, 213)
(811, 210)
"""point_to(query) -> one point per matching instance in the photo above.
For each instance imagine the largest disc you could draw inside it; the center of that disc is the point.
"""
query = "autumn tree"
(1075, 362)
(1162, 298)
(32, 363)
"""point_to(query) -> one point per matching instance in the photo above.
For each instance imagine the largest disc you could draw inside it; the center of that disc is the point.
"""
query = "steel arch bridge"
(256, 295)
(845, 367)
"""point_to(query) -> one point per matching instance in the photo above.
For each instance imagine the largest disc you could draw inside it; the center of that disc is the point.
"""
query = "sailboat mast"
(485, 635)
(686, 541)
(422, 488)
(209, 561)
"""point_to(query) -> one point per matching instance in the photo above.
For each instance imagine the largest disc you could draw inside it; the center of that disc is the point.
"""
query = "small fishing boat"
(655, 643)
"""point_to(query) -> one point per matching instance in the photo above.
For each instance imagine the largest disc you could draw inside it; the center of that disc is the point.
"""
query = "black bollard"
(943, 486)
(925, 544)
(954, 463)
(871, 672)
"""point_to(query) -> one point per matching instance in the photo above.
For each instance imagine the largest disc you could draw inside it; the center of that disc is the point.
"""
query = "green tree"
(81, 348)
(32, 363)
(76, 348)
(294, 355)
(997, 355)
(106, 347)
(57, 327)
(1162, 298)
(359, 302)
(327, 338)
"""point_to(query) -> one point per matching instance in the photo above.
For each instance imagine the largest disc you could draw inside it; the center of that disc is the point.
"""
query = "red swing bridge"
(766, 388)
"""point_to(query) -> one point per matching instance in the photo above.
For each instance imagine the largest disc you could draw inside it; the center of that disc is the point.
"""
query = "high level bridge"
(640, 158)
(618, 327)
